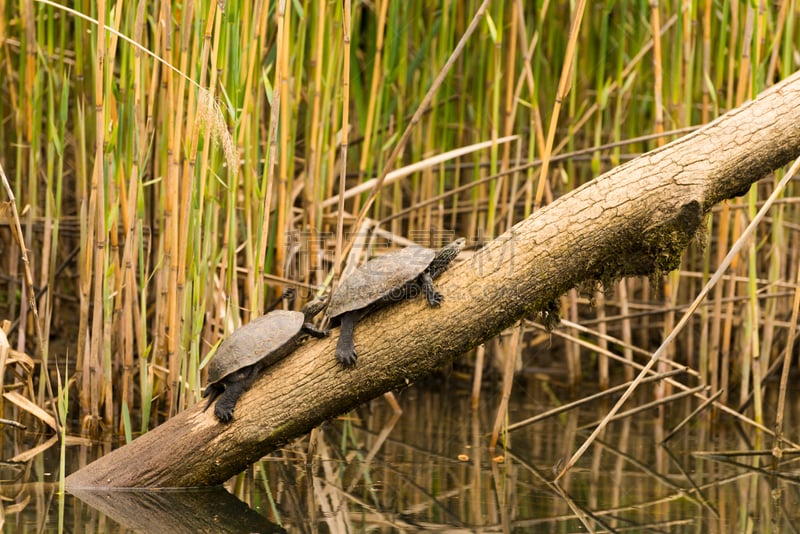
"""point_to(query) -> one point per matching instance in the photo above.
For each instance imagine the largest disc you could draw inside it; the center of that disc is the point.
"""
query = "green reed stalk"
(495, 24)
(63, 408)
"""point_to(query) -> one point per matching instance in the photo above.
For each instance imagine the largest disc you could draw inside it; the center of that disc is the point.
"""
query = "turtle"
(253, 347)
(388, 278)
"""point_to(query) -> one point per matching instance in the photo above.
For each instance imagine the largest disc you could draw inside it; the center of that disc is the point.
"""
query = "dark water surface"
(430, 469)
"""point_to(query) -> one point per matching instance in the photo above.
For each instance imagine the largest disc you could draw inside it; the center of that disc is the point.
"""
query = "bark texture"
(634, 220)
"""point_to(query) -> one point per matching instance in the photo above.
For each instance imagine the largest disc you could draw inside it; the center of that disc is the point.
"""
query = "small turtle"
(389, 278)
(258, 344)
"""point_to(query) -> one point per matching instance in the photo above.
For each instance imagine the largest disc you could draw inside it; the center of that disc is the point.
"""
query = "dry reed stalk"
(314, 185)
(758, 363)
(477, 378)
(714, 364)
(590, 398)
(285, 165)
(563, 83)
(603, 378)
(706, 69)
(658, 77)
(343, 144)
(113, 282)
(424, 165)
(172, 245)
(511, 355)
(375, 84)
(658, 127)
(569, 305)
(272, 153)
(729, 316)
(183, 106)
(610, 354)
(507, 191)
(96, 242)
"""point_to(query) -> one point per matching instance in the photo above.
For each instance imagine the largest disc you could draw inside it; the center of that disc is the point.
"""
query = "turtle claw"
(223, 414)
(234, 387)
(223, 410)
(435, 299)
(346, 357)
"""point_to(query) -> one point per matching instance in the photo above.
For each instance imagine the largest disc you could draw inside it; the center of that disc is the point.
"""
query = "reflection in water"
(177, 511)
(430, 468)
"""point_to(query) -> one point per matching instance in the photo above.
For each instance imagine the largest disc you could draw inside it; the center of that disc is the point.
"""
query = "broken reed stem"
(732, 253)
(692, 415)
(29, 289)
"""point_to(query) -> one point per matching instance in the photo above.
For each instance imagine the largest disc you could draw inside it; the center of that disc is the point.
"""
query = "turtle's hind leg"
(235, 384)
(345, 348)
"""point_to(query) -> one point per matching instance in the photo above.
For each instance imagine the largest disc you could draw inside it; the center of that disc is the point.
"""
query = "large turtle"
(388, 278)
(258, 344)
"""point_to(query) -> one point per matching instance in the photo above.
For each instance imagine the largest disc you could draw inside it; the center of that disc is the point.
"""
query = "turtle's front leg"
(434, 297)
(345, 348)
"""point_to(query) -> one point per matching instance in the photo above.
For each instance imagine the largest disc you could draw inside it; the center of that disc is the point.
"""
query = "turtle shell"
(269, 338)
(378, 278)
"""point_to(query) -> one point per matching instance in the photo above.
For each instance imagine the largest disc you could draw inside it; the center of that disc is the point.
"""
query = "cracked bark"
(633, 220)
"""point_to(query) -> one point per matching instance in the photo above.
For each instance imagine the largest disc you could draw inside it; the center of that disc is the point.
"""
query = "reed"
(176, 167)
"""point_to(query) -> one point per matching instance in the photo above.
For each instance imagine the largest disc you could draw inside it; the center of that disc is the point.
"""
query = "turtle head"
(445, 257)
(312, 308)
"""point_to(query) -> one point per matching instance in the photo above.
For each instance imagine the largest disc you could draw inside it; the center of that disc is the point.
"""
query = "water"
(430, 468)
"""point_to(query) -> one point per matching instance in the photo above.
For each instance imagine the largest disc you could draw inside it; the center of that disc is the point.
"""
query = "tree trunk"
(634, 220)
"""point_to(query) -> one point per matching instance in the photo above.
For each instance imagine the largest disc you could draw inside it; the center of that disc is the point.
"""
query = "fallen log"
(633, 220)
